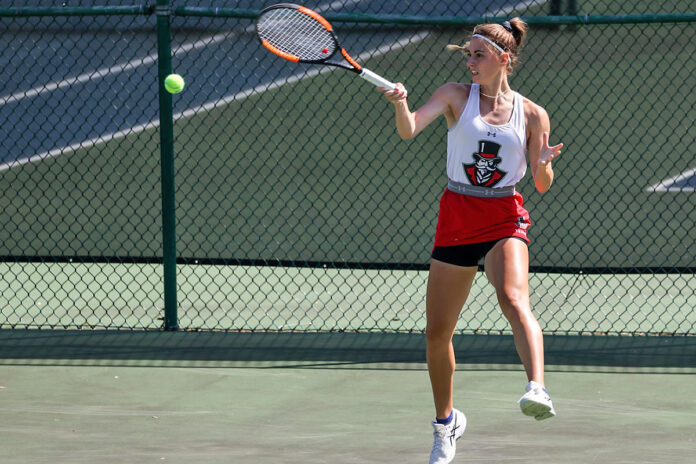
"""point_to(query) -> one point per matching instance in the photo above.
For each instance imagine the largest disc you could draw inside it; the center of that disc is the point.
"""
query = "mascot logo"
(484, 172)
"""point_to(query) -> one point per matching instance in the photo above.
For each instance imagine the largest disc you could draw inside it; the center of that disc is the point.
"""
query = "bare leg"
(448, 288)
(507, 268)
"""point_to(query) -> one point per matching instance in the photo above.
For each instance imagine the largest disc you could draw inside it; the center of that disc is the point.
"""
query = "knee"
(515, 305)
(438, 334)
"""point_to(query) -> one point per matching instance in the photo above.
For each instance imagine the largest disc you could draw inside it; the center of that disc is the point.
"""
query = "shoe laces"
(444, 432)
(440, 430)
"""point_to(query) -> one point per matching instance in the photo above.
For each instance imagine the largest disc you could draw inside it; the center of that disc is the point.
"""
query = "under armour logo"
(490, 134)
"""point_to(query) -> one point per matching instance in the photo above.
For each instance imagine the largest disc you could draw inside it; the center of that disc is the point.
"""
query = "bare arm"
(540, 154)
(411, 123)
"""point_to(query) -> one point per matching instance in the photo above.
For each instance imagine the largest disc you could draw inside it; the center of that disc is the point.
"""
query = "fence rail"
(413, 20)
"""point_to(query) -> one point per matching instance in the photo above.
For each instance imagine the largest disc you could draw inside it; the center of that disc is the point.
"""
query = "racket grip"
(376, 79)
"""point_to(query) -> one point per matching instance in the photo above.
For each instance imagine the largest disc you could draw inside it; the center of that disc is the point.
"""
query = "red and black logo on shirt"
(484, 172)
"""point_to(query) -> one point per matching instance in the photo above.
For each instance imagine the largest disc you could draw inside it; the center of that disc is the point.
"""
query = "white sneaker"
(536, 402)
(446, 436)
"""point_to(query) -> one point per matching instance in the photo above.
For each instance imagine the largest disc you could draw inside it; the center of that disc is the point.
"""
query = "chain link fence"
(297, 207)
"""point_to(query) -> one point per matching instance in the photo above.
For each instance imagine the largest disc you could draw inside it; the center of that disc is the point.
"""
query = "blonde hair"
(509, 36)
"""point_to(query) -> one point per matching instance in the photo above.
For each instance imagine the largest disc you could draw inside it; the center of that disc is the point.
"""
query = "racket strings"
(296, 33)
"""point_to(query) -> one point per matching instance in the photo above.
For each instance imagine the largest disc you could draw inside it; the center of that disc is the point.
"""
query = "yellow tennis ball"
(174, 83)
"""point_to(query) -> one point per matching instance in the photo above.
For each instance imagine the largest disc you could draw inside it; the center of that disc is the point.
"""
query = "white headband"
(498, 47)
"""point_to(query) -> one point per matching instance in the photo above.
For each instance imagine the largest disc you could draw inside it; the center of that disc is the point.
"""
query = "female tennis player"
(490, 130)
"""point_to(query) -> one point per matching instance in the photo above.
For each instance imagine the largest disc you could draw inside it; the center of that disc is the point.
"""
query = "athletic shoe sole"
(537, 410)
(546, 415)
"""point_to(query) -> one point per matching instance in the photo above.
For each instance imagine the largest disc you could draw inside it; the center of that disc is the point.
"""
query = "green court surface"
(122, 397)
(79, 295)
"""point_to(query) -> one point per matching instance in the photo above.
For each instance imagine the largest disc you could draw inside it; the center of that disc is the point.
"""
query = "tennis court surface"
(115, 397)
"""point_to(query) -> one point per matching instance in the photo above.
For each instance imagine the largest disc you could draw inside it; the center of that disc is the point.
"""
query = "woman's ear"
(506, 58)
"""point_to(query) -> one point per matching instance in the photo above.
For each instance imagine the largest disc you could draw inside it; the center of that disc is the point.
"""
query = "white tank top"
(483, 154)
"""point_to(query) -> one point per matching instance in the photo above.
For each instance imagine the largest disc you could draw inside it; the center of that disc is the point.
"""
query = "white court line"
(207, 106)
(136, 63)
(104, 72)
(666, 184)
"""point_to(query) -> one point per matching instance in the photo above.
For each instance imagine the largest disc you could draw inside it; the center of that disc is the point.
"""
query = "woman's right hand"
(396, 95)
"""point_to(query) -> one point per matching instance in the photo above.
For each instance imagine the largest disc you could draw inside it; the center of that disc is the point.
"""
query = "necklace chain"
(493, 96)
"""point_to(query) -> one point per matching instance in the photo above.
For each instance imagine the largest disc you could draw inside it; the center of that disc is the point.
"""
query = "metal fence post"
(164, 58)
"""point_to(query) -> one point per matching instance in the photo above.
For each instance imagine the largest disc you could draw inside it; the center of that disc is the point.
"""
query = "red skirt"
(465, 219)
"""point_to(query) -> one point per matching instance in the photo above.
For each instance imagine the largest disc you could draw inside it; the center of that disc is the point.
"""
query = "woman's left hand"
(548, 153)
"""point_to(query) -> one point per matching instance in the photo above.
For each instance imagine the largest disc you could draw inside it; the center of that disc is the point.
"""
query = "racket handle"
(376, 79)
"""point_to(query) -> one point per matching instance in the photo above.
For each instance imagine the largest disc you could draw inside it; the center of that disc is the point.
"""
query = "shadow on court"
(139, 347)
(144, 397)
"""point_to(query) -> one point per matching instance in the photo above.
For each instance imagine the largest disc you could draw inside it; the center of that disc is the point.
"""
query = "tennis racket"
(301, 35)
